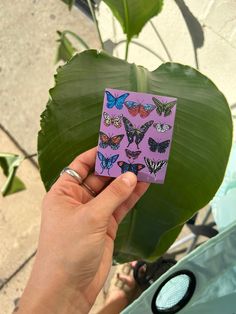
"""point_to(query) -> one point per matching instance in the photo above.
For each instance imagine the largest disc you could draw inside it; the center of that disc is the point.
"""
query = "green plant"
(132, 16)
(199, 153)
(65, 48)
(9, 164)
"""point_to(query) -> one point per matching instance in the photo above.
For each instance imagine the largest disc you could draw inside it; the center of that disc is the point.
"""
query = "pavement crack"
(3, 282)
(24, 152)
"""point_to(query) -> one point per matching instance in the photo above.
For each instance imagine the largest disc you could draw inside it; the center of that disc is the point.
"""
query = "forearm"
(51, 297)
(51, 304)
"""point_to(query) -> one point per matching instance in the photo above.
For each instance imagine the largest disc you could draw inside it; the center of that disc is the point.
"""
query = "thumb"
(115, 193)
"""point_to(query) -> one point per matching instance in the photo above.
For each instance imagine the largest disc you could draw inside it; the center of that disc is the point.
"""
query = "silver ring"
(91, 191)
(73, 174)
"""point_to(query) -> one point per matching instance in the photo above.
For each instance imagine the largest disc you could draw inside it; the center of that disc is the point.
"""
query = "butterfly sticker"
(112, 120)
(134, 108)
(112, 141)
(154, 166)
(107, 163)
(162, 107)
(135, 134)
(132, 154)
(158, 147)
(162, 127)
(135, 168)
(116, 101)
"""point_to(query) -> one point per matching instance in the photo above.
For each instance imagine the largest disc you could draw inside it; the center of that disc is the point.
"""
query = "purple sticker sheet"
(135, 135)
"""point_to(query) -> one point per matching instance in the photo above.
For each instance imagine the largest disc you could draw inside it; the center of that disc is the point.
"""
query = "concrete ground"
(27, 60)
(27, 64)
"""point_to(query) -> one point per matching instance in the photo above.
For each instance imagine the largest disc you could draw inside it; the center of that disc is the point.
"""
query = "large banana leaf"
(134, 14)
(200, 149)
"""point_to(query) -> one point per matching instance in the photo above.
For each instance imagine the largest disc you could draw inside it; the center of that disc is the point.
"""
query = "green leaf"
(65, 49)
(199, 153)
(134, 14)
(70, 3)
(9, 164)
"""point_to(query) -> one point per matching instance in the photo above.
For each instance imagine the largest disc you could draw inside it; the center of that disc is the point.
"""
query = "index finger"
(82, 164)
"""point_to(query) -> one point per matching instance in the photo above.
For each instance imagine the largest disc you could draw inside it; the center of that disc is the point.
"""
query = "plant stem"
(162, 41)
(96, 23)
(80, 40)
(196, 57)
(143, 46)
(126, 11)
(127, 49)
(148, 49)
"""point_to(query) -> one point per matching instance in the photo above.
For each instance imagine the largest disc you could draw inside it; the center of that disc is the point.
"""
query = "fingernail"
(129, 179)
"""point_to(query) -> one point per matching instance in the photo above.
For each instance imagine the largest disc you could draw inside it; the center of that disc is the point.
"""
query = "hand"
(77, 238)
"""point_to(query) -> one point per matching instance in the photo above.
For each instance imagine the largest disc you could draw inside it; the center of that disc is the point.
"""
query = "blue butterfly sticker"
(118, 102)
(107, 163)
